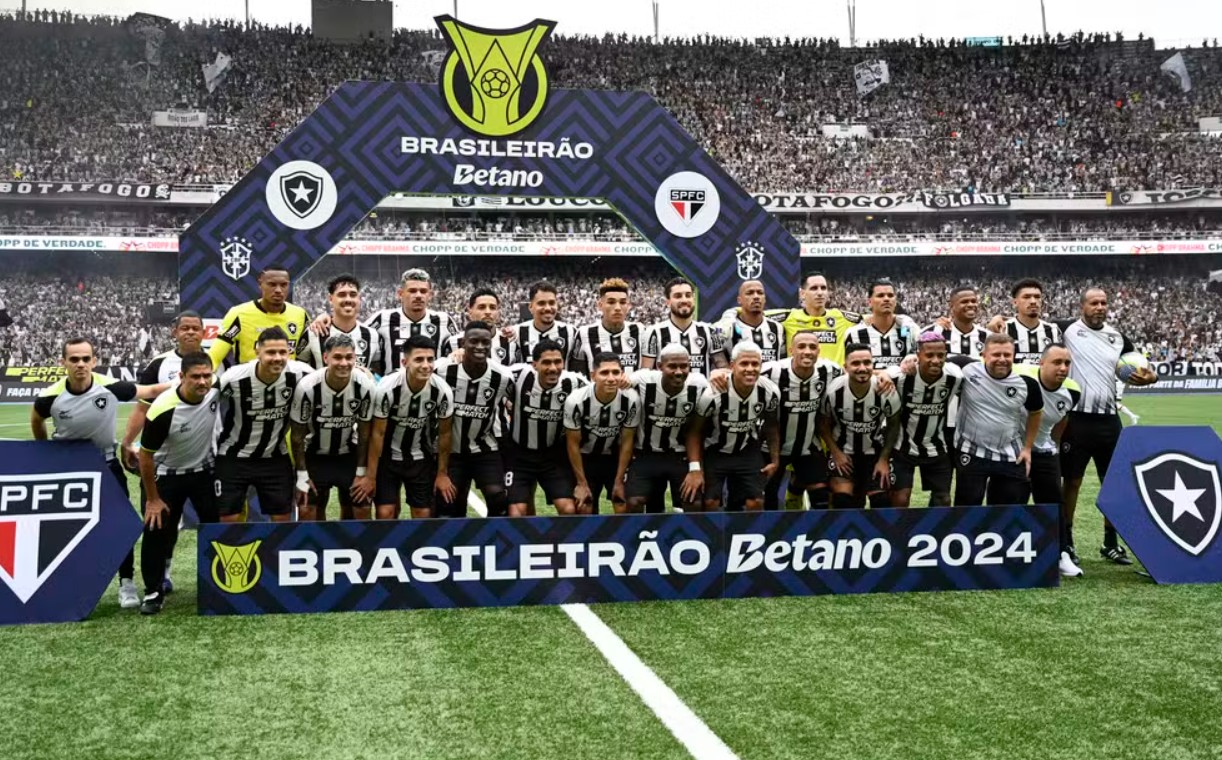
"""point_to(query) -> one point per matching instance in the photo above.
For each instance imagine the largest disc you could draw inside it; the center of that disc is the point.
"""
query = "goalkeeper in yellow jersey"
(831, 325)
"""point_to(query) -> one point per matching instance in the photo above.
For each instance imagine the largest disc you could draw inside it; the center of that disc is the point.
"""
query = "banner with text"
(25, 383)
(920, 200)
(194, 119)
(85, 191)
(1200, 196)
(383, 565)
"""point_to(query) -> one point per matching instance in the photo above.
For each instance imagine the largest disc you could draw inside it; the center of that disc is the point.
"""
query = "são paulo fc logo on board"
(301, 195)
(687, 204)
(493, 81)
(42, 519)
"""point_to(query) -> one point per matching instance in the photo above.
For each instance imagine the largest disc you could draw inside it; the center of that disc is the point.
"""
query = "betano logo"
(236, 569)
(492, 81)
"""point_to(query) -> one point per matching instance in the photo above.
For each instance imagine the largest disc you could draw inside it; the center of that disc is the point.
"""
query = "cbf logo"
(42, 519)
(492, 81)
(236, 569)
(1184, 498)
(750, 260)
(235, 257)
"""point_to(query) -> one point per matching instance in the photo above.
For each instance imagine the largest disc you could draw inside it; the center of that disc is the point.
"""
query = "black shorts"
(809, 472)
(1086, 437)
(548, 468)
(327, 472)
(486, 470)
(176, 490)
(738, 475)
(998, 483)
(415, 477)
(116, 469)
(600, 474)
(936, 472)
(862, 476)
(1045, 478)
(271, 478)
(652, 472)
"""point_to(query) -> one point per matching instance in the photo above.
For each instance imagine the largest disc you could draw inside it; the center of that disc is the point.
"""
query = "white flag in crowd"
(870, 75)
(1176, 67)
(214, 73)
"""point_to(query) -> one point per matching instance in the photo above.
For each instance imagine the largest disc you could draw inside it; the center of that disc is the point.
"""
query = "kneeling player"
(734, 422)
(859, 425)
(925, 396)
(329, 433)
(600, 423)
(409, 450)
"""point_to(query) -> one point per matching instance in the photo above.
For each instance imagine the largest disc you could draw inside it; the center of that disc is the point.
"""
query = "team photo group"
(811, 407)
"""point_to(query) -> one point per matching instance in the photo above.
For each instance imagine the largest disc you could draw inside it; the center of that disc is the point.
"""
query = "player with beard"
(412, 317)
(1061, 394)
(1093, 428)
(890, 336)
(668, 401)
(480, 388)
(484, 305)
(344, 295)
(701, 339)
(1030, 333)
(731, 434)
(830, 325)
(613, 334)
(925, 398)
(749, 323)
(859, 425)
(535, 453)
(600, 423)
(544, 306)
(801, 380)
(963, 336)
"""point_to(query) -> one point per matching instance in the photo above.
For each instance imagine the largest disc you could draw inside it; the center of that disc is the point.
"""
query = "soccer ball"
(1130, 363)
(494, 83)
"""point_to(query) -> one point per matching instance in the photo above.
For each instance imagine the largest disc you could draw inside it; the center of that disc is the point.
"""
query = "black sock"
(843, 501)
(1109, 537)
(818, 497)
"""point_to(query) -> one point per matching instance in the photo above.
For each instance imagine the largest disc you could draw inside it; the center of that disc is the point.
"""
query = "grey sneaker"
(129, 598)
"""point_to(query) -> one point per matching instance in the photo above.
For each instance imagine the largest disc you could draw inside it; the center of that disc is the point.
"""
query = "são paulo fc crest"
(45, 518)
(235, 257)
(1184, 498)
(750, 258)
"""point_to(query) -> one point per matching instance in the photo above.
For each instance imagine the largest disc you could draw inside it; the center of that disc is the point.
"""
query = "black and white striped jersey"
(858, 423)
(1030, 342)
(395, 328)
(769, 335)
(254, 415)
(924, 407)
(477, 401)
(164, 368)
(412, 417)
(701, 339)
(1095, 354)
(993, 413)
(600, 424)
(801, 400)
(180, 434)
(736, 421)
(663, 417)
(888, 348)
(368, 342)
(536, 414)
(331, 416)
(526, 336)
(627, 344)
(503, 349)
(970, 343)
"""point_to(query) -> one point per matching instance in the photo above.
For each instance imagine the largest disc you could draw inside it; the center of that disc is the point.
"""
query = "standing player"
(963, 336)
(534, 451)
(859, 426)
(344, 295)
(480, 387)
(484, 305)
(409, 449)
(412, 317)
(329, 434)
(84, 406)
(749, 323)
(544, 306)
(730, 435)
(801, 380)
(251, 447)
(925, 397)
(176, 464)
(831, 325)
(890, 337)
(702, 340)
(1094, 427)
(999, 418)
(612, 334)
(243, 323)
(668, 399)
(1061, 394)
(1030, 333)
(600, 423)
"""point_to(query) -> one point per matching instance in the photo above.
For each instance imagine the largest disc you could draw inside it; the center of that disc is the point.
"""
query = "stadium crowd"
(1085, 113)
(1160, 304)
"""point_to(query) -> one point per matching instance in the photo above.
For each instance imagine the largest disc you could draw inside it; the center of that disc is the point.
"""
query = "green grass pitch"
(1109, 666)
